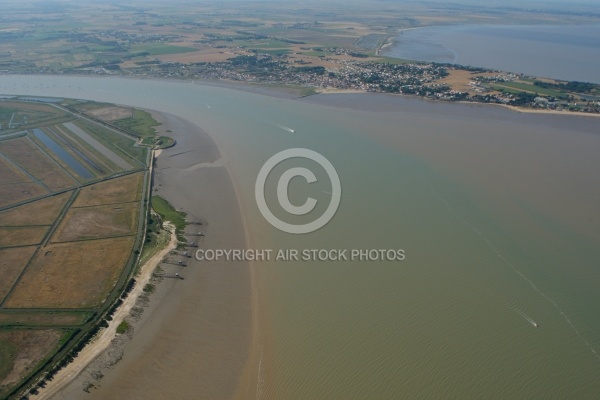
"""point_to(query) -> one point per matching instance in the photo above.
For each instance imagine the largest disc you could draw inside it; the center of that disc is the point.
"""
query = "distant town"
(430, 80)
(414, 78)
(315, 52)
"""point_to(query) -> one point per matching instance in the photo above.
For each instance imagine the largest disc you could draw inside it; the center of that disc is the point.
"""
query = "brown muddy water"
(496, 212)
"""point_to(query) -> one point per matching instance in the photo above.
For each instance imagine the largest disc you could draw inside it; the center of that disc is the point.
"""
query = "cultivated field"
(29, 157)
(215, 32)
(97, 222)
(10, 174)
(22, 235)
(119, 190)
(19, 115)
(21, 351)
(72, 275)
(110, 114)
(12, 263)
(41, 212)
(17, 192)
(55, 318)
(67, 280)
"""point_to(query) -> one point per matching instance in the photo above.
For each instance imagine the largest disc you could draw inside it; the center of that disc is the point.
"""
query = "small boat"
(286, 128)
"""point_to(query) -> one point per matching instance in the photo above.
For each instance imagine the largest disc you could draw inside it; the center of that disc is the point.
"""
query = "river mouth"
(496, 212)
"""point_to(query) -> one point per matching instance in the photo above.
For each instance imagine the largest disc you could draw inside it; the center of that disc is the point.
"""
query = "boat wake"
(285, 128)
(563, 315)
(528, 319)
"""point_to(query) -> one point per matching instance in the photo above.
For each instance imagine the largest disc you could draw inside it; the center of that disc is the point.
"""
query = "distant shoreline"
(286, 92)
(512, 108)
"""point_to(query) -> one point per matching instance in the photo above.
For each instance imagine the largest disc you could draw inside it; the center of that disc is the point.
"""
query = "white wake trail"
(516, 270)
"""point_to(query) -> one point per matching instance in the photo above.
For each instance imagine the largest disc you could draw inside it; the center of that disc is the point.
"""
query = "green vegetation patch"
(156, 49)
(263, 44)
(273, 52)
(516, 87)
(141, 124)
(118, 143)
(149, 288)
(123, 327)
(161, 142)
(168, 213)
(22, 115)
(575, 87)
(152, 231)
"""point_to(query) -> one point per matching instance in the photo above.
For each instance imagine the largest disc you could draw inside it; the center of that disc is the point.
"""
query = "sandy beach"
(555, 112)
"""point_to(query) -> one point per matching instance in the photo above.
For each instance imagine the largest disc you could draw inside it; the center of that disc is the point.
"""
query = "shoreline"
(113, 360)
(391, 40)
(512, 108)
(102, 342)
(292, 93)
(191, 325)
(549, 112)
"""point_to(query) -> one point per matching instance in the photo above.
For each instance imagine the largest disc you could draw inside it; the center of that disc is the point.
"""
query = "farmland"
(42, 212)
(13, 262)
(43, 318)
(48, 174)
(97, 222)
(22, 235)
(307, 48)
(71, 275)
(111, 192)
(112, 39)
(21, 350)
(71, 228)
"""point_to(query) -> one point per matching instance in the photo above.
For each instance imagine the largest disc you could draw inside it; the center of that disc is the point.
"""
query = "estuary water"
(496, 212)
(569, 52)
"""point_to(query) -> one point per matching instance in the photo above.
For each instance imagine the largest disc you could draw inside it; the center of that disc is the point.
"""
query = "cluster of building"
(421, 79)
(137, 38)
(358, 75)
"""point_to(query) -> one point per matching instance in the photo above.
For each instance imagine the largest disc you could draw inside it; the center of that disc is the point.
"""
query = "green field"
(157, 49)
(142, 124)
(116, 142)
(160, 142)
(273, 52)
(517, 87)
